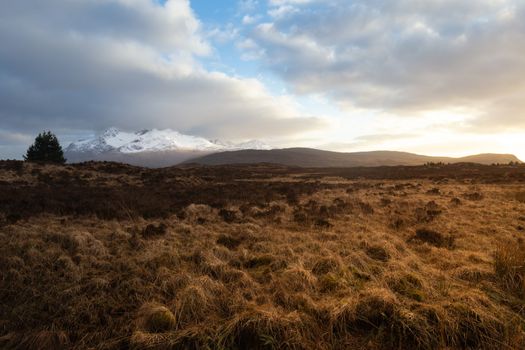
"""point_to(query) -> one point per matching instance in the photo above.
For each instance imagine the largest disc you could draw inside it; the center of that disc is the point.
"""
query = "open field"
(109, 256)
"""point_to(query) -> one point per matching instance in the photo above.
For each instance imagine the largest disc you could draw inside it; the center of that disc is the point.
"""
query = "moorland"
(101, 255)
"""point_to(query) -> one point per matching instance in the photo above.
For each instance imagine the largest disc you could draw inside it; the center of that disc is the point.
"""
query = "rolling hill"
(309, 157)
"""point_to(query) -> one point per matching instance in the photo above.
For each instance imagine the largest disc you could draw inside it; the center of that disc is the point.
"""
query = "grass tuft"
(155, 318)
(229, 241)
(509, 266)
(434, 238)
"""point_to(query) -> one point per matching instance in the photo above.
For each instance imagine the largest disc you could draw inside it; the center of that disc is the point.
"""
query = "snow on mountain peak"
(115, 140)
(111, 132)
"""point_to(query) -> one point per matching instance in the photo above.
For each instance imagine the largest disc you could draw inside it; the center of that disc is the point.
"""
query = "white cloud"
(282, 11)
(288, 2)
(247, 20)
(84, 65)
(247, 5)
(406, 57)
(223, 34)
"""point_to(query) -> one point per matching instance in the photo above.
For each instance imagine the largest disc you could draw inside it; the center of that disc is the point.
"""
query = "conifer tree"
(45, 149)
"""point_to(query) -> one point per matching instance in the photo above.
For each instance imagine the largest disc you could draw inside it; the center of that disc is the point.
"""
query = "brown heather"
(108, 256)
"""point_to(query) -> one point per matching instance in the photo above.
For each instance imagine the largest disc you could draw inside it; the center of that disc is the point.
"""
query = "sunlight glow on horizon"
(337, 75)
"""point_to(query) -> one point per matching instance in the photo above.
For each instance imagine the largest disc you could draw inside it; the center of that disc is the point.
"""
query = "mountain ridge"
(150, 147)
(163, 148)
(310, 157)
(151, 140)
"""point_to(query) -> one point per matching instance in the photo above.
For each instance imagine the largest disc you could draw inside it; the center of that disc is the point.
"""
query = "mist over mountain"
(151, 148)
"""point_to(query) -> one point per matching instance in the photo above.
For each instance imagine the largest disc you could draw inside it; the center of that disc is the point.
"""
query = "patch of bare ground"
(108, 256)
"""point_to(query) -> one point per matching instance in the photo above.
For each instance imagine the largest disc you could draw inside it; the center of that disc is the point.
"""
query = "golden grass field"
(107, 256)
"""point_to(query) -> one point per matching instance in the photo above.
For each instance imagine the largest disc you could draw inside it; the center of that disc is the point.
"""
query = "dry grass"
(260, 258)
(509, 264)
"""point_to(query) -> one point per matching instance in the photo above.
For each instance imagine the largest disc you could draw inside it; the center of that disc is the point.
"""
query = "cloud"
(383, 137)
(405, 57)
(14, 138)
(503, 115)
(288, 2)
(247, 5)
(86, 65)
(247, 20)
(363, 142)
(223, 34)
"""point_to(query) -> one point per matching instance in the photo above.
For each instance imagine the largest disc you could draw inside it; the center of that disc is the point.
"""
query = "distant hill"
(309, 157)
(162, 148)
(150, 148)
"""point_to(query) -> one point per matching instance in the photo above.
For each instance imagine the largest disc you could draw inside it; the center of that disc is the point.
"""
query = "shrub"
(46, 148)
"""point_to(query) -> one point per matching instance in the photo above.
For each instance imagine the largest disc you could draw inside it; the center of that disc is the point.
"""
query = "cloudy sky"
(439, 77)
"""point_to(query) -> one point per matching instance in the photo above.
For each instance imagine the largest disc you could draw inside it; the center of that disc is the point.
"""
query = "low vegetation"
(509, 264)
(108, 256)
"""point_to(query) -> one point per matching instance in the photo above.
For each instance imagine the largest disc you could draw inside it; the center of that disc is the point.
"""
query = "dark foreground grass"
(247, 265)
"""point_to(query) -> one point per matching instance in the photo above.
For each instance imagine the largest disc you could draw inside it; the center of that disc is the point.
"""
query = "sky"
(436, 77)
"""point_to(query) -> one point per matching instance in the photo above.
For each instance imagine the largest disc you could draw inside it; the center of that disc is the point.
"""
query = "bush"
(45, 149)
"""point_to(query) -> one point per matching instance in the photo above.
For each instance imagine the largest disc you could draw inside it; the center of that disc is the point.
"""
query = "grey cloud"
(402, 56)
(13, 138)
(505, 115)
(86, 65)
(162, 27)
(13, 144)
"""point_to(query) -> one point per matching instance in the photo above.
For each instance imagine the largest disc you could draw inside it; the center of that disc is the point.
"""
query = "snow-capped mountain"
(169, 146)
(155, 140)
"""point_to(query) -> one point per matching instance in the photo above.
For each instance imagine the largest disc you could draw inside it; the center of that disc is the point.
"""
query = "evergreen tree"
(45, 149)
